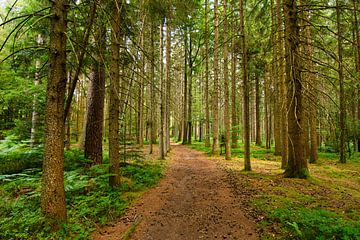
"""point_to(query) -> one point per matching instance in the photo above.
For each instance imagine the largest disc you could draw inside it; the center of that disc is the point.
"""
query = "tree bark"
(162, 93)
(207, 111)
(185, 103)
(257, 112)
(357, 62)
(114, 103)
(168, 83)
(234, 115)
(216, 146)
(341, 84)
(297, 164)
(226, 87)
(244, 65)
(53, 193)
(35, 115)
(95, 103)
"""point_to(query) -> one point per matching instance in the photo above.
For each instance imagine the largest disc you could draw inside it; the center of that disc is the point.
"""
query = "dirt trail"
(192, 201)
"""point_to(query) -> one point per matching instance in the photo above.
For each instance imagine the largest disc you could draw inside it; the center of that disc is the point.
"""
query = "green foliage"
(90, 200)
(316, 224)
(15, 157)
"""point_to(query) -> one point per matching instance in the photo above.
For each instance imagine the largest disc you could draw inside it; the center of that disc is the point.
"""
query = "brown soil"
(194, 200)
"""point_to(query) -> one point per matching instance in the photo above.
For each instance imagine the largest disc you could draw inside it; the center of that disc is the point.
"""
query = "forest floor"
(204, 197)
(194, 200)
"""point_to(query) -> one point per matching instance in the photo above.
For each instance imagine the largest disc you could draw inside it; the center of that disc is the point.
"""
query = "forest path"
(192, 201)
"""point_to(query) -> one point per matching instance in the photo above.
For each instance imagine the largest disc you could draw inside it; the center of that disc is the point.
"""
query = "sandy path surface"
(192, 201)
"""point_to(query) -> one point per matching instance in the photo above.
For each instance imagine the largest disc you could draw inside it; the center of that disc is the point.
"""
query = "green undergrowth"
(325, 206)
(90, 200)
(256, 152)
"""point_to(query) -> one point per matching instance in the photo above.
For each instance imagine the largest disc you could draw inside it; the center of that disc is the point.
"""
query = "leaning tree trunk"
(114, 102)
(53, 203)
(226, 87)
(216, 147)
(297, 163)
(95, 103)
(244, 65)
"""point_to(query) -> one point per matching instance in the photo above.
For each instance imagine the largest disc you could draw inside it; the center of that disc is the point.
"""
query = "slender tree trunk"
(114, 103)
(152, 90)
(297, 164)
(276, 26)
(282, 111)
(168, 82)
(189, 116)
(216, 146)
(35, 115)
(207, 111)
(185, 103)
(141, 99)
(95, 103)
(68, 119)
(234, 125)
(244, 65)
(357, 61)
(53, 193)
(257, 112)
(226, 87)
(341, 84)
(267, 115)
(162, 93)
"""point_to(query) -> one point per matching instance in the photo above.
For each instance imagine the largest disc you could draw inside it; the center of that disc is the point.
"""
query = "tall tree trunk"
(95, 103)
(297, 164)
(189, 116)
(357, 61)
(341, 84)
(185, 103)
(282, 111)
(226, 87)
(168, 82)
(152, 89)
(162, 93)
(216, 146)
(53, 193)
(114, 103)
(257, 112)
(141, 100)
(35, 115)
(244, 65)
(68, 119)
(266, 106)
(207, 111)
(276, 27)
(234, 116)
(311, 80)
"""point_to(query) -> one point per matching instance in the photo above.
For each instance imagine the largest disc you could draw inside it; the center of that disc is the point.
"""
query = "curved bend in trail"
(192, 201)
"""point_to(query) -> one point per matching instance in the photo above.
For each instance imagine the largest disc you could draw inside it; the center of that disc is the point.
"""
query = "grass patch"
(325, 206)
(90, 201)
